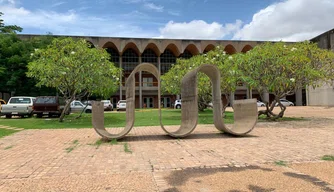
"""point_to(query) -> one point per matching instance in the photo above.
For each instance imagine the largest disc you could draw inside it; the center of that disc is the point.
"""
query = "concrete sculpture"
(245, 111)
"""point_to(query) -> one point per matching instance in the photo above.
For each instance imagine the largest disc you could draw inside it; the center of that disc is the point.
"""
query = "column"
(299, 97)
(121, 79)
(159, 65)
(231, 98)
(159, 68)
(265, 97)
(249, 93)
(140, 87)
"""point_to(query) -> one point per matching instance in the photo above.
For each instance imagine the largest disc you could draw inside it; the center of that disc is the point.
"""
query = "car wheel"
(178, 106)
(39, 115)
(262, 105)
(8, 116)
(291, 105)
(88, 111)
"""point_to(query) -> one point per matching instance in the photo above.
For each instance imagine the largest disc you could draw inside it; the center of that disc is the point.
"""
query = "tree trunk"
(67, 106)
(82, 111)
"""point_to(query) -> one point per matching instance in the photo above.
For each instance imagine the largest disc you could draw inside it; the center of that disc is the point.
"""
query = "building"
(127, 53)
(324, 95)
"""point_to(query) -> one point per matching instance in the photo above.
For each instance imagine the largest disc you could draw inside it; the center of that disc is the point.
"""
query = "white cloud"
(290, 20)
(154, 7)
(69, 23)
(198, 29)
(174, 13)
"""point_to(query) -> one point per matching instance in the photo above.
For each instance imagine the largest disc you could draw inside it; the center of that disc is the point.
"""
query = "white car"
(77, 106)
(178, 104)
(107, 105)
(18, 106)
(260, 104)
(121, 104)
(285, 102)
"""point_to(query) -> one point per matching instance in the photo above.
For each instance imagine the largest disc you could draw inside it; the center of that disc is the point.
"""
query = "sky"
(286, 20)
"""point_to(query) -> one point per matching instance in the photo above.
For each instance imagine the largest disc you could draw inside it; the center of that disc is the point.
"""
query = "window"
(78, 104)
(186, 54)
(20, 100)
(147, 82)
(46, 100)
(130, 60)
(166, 60)
(114, 56)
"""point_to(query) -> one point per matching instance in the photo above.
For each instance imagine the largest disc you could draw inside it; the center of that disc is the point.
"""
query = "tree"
(281, 69)
(8, 28)
(14, 58)
(171, 81)
(75, 69)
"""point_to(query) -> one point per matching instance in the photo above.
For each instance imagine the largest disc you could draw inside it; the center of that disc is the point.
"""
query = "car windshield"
(45, 100)
(19, 100)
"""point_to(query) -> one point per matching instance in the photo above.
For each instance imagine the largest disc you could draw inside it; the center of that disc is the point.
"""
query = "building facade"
(127, 53)
(324, 95)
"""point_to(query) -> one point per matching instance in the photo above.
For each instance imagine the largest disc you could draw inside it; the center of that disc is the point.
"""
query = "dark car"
(48, 105)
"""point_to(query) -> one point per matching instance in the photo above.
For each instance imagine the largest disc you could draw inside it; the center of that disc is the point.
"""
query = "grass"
(8, 147)
(143, 117)
(126, 148)
(5, 132)
(101, 141)
(280, 163)
(146, 117)
(328, 158)
(75, 143)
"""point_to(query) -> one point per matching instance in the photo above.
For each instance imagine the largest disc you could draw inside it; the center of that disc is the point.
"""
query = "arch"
(149, 56)
(208, 48)
(153, 47)
(246, 48)
(91, 45)
(98, 108)
(229, 49)
(110, 45)
(192, 49)
(131, 45)
(173, 48)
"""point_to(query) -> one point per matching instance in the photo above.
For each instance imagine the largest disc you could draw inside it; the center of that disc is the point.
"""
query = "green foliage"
(8, 28)
(281, 69)
(171, 81)
(73, 68)
(14, 57)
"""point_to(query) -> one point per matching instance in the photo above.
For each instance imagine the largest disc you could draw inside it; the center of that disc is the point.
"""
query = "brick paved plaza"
(70, 159)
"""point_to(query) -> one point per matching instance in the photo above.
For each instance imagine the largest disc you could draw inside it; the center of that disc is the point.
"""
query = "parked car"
(77, 106)
(87, 102)
(18, 106)
(178, 104)
(260, 104)
(48, 105)
(121, 104)
(285, 102)
(107, 105)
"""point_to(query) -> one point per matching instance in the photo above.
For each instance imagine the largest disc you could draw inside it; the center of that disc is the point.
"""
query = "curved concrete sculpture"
(245, 111)
(98, 110)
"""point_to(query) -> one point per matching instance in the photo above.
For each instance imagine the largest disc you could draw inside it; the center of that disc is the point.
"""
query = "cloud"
(289, 20)
(154, 7)
(174, 13)
(58, 4)
(70, 23)
(198, 29)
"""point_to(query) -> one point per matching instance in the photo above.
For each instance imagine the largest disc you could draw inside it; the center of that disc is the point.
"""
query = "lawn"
(5, 132)
(144, 117)
(147, 117)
